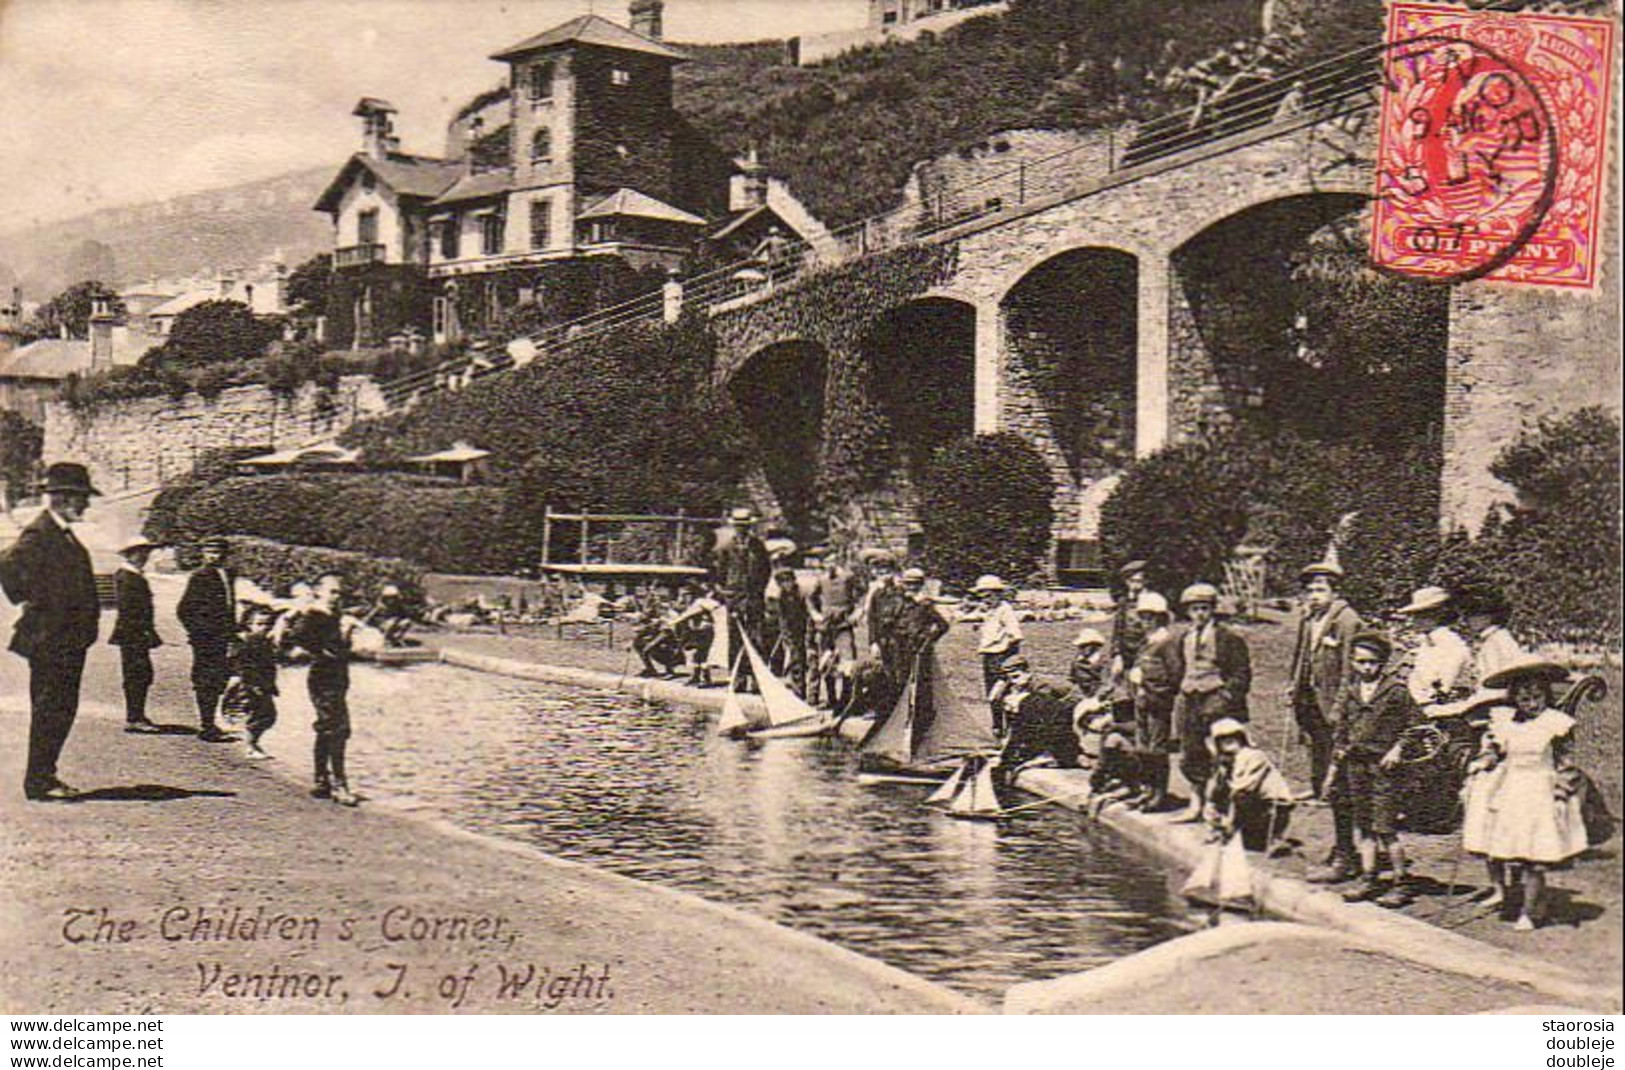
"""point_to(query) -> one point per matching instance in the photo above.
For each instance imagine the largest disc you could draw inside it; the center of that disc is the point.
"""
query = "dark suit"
(135, 635)
(1320, 667)
(48, 573)
(1200, 706)
(743, 570)
(1161, 664)
(208, 612)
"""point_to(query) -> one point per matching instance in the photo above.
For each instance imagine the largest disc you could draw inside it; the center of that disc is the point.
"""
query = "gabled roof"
(629, 202)
(321, 453)
(480, 184)
(176, 305)
(408, 176)
(460, 453)
(48, 358)
(591, 30)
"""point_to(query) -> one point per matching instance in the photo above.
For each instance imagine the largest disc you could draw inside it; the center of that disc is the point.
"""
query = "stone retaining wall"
(146, 441)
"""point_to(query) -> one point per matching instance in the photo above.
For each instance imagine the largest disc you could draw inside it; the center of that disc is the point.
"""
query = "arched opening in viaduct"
(1071, 337)
(922, 363)
(1277, 322)
(779, 392)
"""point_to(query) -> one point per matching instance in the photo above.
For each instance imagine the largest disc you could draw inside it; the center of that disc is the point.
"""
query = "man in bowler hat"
(208, 612)
(134, 633)
(47, 572)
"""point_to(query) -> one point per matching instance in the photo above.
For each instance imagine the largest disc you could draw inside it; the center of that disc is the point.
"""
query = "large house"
(578, 166)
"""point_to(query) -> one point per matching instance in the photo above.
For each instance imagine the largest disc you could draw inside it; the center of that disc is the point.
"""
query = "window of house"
(888, 18)
(541, 224)
(491, 227)
(449, 239)
(369, 181)
(539, 82)
(620, 76)
(366, 227)
(541, 146)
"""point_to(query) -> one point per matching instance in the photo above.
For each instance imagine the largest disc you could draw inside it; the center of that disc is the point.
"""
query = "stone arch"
(922, 374)
(1071, 347)
(1258, 335)
(779, 393)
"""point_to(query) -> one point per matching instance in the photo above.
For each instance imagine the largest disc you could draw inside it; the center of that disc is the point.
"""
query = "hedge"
(986, 506)
(1187, 507)
(276, 567)
(437, 527)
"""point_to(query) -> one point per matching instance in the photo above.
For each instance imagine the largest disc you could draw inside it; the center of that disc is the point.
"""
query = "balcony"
(352, 256)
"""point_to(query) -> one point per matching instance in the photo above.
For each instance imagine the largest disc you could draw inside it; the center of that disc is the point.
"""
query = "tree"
(21, 443)
(211, 333)
(308, 285)
(986, 506)
(71, 308)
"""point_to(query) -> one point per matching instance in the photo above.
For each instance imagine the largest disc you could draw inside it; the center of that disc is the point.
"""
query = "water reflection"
(781, 828)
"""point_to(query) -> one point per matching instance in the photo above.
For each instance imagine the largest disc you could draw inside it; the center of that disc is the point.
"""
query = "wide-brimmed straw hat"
(1226, 726)
(988, 584)
(1426, 598)
(913, 577)
(1527, 668)
(1150, 602)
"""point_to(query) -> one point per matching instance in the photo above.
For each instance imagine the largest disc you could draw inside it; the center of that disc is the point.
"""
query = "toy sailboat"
(1223, 878)
(782, 715)
(927, 731)
(970, 792)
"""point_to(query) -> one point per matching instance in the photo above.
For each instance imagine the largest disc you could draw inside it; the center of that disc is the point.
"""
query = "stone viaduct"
(1105, 315)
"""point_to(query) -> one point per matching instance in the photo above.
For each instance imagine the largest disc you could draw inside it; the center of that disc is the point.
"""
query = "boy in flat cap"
(134, 633)
(208, 612)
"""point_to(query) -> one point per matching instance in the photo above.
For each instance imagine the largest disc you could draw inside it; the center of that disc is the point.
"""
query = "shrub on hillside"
(1186, 508)
(986, 506)
(163, 524)
(434, 526)
(628, 421)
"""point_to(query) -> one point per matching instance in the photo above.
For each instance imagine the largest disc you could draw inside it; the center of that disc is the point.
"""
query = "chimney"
(747, 188)
(102, 322)
(646, 17)
(377, 117)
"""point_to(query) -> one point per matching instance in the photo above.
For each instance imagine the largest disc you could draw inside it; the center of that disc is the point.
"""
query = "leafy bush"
(212, 465)
(214, 332)
(434, 526)
(276, 567)
(1555, 551)
(1185, 509)
(628, 421)
(21, 443)
(986, 506)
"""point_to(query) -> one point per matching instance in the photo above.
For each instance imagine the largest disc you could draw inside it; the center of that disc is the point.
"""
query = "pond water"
(781, 829)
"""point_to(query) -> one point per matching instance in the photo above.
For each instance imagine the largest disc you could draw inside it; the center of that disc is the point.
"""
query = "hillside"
(229, 227)
(846, 133)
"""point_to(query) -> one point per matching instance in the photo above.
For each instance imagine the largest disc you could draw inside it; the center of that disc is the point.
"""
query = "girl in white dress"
(1519, 819)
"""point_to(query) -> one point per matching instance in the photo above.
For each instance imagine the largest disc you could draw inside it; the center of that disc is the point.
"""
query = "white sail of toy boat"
(892, 740)
(950, 787)
(733, 719)
(977, 796)
(782, 707)
(1223, 877)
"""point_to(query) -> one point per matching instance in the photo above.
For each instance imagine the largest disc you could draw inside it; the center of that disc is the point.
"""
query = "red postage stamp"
(1492, 145)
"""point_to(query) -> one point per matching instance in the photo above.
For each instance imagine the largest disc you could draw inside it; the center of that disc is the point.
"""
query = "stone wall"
(147, 441)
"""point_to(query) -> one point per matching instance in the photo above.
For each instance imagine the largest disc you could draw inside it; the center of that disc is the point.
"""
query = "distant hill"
(236, 226)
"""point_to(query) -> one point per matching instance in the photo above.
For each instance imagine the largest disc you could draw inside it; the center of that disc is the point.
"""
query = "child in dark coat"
(250, 694)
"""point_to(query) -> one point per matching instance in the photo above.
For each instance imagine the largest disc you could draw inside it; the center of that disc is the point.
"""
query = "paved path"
(175, 831)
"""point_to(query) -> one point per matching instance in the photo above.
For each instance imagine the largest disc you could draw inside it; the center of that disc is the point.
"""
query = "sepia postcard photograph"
(809, 507)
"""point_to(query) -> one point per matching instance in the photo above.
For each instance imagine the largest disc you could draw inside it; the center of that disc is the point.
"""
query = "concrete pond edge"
(1182, 845)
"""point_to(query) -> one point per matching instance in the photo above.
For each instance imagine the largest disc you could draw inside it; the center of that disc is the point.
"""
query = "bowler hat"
(66, 477)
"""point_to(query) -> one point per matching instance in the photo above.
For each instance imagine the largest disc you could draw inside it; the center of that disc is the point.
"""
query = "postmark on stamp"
(1491, 146)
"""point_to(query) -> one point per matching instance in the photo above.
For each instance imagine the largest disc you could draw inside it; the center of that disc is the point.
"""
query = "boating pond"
(781, 829)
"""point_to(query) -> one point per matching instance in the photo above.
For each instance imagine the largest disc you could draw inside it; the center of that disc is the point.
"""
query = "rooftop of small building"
(408, 175)
(590, 30)
(48, 358)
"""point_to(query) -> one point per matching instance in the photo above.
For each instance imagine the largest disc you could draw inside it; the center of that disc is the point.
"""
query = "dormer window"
(620, 76)
(541, 146)
(539, 82)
